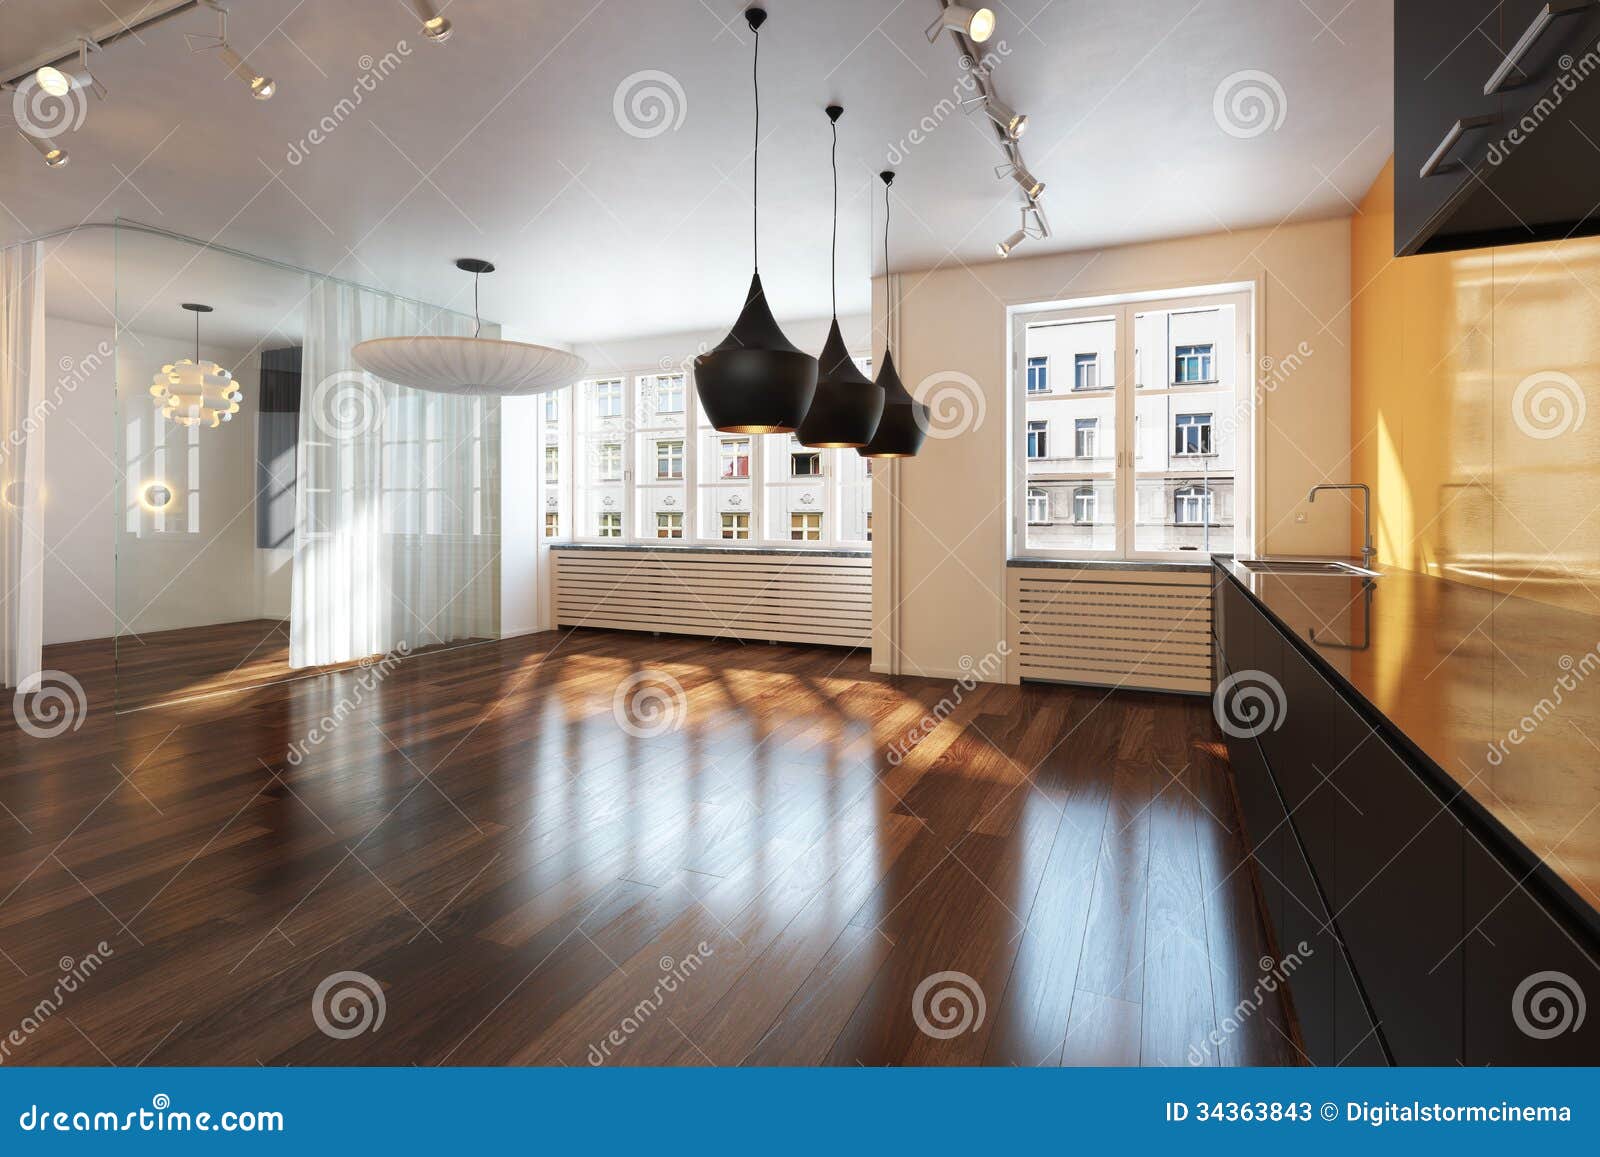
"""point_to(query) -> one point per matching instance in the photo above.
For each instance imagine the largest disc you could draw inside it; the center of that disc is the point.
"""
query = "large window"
(1160, 420)
(639, 463)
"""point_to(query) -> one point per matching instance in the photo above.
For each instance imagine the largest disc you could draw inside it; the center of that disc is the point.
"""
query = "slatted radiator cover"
(790, 598)
(1136, 629)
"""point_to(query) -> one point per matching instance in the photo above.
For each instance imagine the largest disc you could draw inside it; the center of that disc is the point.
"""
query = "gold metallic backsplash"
(1475, 406)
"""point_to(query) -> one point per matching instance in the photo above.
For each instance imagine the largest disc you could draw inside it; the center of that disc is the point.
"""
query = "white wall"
(939, 564)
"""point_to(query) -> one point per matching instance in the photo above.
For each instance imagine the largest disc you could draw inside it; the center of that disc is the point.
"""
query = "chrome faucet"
(1367, 549)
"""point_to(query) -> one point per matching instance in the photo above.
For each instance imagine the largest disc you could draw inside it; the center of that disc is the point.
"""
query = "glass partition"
(279, 511)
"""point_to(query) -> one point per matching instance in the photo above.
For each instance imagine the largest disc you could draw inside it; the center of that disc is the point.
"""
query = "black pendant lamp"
(848, 404)
(756, 381)
(905, 420)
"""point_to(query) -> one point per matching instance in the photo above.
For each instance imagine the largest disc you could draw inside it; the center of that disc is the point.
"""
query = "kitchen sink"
(1307, 566)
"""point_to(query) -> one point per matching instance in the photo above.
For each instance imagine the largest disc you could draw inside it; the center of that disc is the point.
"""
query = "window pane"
(1184, 455)
(1070, 439)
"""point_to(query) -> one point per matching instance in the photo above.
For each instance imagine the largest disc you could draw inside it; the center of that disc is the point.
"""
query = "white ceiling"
(502, 143)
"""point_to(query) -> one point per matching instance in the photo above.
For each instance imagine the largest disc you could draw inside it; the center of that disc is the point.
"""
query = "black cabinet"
(1443, 52)
(1397, 894)
(1414, 938)
(1529, 971)
(1489, 95)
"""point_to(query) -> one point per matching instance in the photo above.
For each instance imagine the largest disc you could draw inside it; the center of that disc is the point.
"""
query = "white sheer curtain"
(22, 371)
(397, 537)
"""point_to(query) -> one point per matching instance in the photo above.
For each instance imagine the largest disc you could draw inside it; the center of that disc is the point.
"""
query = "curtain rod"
(157, 231)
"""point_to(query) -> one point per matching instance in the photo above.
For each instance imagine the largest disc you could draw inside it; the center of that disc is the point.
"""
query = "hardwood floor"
(740, 875)
(168, 666)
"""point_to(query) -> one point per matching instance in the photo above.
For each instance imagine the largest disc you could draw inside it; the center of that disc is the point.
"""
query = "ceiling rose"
(469, 365)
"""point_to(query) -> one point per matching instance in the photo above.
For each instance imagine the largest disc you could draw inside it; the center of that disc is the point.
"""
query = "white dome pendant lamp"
(469, 365)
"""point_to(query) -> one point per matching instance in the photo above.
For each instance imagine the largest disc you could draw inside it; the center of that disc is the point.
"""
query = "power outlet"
(1299, 516)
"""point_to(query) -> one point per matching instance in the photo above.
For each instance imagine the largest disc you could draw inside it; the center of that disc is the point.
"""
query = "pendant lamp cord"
(755, 179)
(197, 337)
(833, 272)
(888, 338)
(477, 322)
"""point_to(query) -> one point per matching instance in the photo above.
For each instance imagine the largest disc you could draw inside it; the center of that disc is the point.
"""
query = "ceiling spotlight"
(261, 86)
(58, 83)
(976, 24)
(54, 155)
(53, 81)
(1038, 230)
(435, 27)
(1013, 123)
(1029, 184)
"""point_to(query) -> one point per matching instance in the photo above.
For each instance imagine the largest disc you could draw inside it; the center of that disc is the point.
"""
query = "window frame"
(1039, 362)
(1242, 411)
(1206, 361)
(843, 491)
(1091, 427)
(1038, 495)
(1086, 361)
(1207, 442)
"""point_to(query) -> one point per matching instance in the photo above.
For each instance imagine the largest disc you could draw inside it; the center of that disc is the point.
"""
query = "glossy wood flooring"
(167, 666)
(607, 848)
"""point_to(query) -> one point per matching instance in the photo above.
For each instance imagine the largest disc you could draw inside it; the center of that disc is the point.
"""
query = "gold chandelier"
(190, 392)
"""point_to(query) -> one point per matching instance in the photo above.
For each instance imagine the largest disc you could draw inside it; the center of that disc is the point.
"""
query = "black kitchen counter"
(1500, 695)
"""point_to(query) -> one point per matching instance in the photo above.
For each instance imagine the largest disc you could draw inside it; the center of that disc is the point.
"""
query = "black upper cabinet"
(1444, 50)
(1493, 99)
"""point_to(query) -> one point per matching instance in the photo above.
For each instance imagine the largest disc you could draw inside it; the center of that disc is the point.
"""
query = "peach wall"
(939, 556)
(1473, 377)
